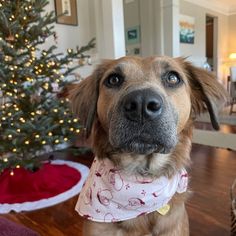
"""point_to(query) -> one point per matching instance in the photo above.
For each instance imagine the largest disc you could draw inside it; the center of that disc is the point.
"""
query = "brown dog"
(139, 113)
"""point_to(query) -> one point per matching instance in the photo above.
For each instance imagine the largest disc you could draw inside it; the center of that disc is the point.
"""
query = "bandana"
(110, 195)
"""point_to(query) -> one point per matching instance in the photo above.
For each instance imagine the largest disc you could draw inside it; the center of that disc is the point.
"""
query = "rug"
(214, 139)
(9, 228)
(224, 117)
(55, 182)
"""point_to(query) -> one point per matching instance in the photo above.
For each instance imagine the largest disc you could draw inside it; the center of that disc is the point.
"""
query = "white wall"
(131, 19)
(197, 51)
(72, 36)
(148, 15)
(232, 35)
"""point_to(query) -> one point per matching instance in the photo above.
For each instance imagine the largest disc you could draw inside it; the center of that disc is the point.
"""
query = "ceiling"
(227, 7)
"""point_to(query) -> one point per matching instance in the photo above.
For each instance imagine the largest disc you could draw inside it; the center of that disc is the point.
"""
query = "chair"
(232, 90)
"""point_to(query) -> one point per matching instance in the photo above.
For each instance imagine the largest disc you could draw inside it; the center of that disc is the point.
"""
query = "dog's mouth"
(142, 146)
(145, 148)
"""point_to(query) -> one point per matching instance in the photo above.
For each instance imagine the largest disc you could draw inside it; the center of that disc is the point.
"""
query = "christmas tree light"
(32, 117)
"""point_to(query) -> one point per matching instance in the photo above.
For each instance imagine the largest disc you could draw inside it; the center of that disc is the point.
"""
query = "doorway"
(211, 42)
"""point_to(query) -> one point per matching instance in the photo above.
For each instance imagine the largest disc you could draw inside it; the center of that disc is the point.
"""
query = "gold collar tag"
(164, 210)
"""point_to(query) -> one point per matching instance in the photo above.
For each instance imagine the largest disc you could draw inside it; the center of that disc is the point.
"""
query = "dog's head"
(142, 105)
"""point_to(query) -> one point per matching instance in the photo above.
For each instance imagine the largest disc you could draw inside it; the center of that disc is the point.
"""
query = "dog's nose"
(142, 105)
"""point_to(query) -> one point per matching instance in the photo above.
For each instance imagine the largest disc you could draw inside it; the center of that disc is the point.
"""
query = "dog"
(139, 114)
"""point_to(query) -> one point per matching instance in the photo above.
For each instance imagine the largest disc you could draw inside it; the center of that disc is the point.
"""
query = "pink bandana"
(109, 195)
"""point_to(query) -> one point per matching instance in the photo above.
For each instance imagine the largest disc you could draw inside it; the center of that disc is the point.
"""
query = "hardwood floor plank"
(212, 173)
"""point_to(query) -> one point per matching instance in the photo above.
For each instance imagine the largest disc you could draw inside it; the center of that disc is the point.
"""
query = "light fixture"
(232, 55)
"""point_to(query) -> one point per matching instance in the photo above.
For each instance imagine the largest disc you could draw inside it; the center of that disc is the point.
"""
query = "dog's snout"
(142, 105)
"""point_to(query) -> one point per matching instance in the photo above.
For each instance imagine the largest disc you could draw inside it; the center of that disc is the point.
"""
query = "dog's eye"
(114, 80)
(172, 79)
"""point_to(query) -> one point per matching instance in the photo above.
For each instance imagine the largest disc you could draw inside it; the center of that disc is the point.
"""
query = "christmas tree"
(32, 117)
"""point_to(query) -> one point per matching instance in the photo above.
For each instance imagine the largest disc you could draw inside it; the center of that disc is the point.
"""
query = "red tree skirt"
(55, 182)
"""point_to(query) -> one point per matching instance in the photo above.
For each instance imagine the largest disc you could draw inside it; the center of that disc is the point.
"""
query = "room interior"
(152, 27)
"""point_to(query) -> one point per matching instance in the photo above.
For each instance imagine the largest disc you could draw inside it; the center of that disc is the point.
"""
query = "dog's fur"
(156, 144)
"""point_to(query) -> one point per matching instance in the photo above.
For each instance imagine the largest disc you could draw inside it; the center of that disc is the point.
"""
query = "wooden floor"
(212, 173)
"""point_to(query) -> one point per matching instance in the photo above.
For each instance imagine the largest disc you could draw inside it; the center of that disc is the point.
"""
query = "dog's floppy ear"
(207, 94)
(84, 96)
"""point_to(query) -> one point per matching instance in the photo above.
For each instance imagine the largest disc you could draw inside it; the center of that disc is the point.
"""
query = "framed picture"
(66, 11)
(187, 29)
(132, 35)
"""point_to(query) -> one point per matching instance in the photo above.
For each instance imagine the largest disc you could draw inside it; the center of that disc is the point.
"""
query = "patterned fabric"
(109, 195)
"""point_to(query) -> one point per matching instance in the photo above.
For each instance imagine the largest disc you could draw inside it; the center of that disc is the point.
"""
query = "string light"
(22, 120)
(43, 142)
(46, 85)
(5, 160)
(9, 94)
(39, 112)
(12, 173)
(27, 142)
